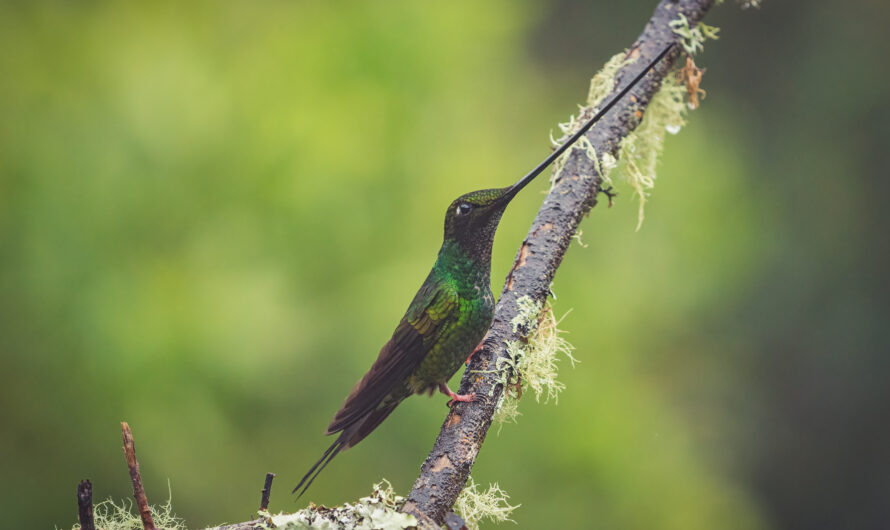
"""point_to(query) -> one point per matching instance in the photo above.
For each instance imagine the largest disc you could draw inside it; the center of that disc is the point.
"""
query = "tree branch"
(447, 468)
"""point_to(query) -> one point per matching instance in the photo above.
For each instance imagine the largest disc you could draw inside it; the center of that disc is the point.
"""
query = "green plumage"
(449, 315)
(447, 319)
(454, 320)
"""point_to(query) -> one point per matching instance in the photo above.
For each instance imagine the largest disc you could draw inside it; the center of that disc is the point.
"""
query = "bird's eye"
(463, 208)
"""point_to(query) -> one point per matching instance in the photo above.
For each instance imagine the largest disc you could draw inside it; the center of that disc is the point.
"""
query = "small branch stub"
(85, 505)
(267, 491)
(138, 491)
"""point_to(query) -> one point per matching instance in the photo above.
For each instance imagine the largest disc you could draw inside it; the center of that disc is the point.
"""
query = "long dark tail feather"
(325, 459)
(348, 437)
(369, 423)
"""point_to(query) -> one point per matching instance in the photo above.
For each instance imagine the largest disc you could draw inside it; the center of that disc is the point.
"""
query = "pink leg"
(467, 398)
(472, 353)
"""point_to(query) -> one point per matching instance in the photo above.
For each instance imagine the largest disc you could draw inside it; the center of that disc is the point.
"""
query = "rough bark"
(446, 469)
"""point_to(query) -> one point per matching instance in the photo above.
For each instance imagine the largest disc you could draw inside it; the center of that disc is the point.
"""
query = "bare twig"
(267, 490)
(85, 505)
(138, 491)
(446, 469)
(262, 522)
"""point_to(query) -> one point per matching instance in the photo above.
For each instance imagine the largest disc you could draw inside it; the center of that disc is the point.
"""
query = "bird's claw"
(487, 341)
(476, 349)
(464, 398)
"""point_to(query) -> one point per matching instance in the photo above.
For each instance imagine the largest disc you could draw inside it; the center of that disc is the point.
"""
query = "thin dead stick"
(85, 505)
(267, 490)
(262, 522)
(138, 491)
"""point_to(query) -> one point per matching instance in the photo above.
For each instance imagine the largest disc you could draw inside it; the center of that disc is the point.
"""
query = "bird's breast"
(450, 348)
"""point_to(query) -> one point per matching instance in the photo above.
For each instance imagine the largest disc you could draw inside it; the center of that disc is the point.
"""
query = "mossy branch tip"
(596, 117)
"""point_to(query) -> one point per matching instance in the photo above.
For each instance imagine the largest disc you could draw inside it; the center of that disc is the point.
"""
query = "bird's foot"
(475, 350)
(607, 191)
(464, 398)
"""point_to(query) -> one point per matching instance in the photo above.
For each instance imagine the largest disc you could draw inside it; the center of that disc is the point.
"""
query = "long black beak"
(523, 182)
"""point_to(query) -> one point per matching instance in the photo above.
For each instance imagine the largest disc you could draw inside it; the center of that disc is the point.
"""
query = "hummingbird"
(448, 317)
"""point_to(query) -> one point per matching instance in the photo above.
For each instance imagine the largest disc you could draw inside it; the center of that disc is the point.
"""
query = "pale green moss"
(609, 163)
(526, 314)
(584, 145)
(639, 150)
(507, 410)
(532, 364)
(694, 38)
(601, 85)
(577, 237)
(380, 510)
(603, 82)
(111, 516)
(538, 358)
(525, 321)
(638, 154)
(474, 505)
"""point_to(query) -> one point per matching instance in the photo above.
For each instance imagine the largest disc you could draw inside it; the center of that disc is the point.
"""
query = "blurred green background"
(212, 214)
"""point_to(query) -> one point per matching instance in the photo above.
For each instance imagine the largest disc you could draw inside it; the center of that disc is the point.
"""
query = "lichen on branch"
(112, 516)
(531, 365)
(381, 509)
(640, 149)
(476, 505)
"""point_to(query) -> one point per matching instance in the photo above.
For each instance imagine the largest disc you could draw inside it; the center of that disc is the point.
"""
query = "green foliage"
(475, 505)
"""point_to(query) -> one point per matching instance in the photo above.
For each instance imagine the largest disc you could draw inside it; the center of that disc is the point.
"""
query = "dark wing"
(433, 307)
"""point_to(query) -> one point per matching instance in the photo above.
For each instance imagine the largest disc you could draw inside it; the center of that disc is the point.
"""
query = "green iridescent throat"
(464, 268)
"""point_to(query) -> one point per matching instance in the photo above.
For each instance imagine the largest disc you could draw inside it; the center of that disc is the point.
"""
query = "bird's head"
(472, 219)
(473, 213)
